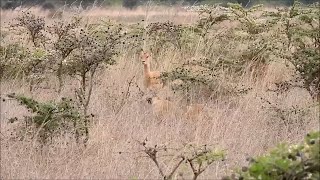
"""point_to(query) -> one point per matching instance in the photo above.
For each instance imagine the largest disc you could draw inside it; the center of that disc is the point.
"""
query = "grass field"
(242, 124)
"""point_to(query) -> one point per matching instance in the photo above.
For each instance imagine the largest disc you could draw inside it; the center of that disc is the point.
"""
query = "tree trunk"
(59, 75)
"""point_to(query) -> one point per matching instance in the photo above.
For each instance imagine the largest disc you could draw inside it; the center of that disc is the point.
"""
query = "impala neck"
(146, 68)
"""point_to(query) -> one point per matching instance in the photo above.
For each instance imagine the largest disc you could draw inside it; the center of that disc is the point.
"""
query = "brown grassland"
(242, 125)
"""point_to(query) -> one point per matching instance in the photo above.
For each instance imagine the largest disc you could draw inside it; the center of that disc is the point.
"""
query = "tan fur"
(151, 78)
(194, 111)
(161, 107)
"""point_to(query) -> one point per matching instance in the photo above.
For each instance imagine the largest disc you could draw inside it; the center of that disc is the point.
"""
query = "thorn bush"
(48, 119)
(198, 158)
(34, 25)
(299, 161)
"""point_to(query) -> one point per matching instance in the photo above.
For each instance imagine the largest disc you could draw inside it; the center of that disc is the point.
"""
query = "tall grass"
(243, 126)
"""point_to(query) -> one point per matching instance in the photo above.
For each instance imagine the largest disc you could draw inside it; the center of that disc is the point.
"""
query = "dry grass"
(241, 126)
(155, 14)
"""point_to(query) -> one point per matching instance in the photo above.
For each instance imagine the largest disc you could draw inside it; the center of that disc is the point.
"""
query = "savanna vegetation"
(235, 83)
(131, 4)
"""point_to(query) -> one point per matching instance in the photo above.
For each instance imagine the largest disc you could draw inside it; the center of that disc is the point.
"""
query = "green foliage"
(71, 48)
(19, 62)
(200, 76)
(133, 38)
(34, 26)
(30, 63)
(211, 62)
(64, 43)
(303, 32)
(164, 33)
(49, 118)
(286, 162)
(208, 19)
(96, 45)
(300, 31)
(307, 63)
(12, 57)
(247, 18)
(257, 34)
(217, 50)
(11, 4)
(259, 37)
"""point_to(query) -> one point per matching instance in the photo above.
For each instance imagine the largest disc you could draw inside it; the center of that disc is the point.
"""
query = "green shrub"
(48, 119)
(300, 34)
(22, 63)
(303, 32)
(300, 161)
(64, 42)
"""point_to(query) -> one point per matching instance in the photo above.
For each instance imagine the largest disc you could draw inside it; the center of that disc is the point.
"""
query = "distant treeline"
(47, 4)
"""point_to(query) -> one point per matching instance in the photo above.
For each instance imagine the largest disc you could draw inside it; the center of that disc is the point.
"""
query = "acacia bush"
(298, 27)
(164, 35)
(303, 33)
(71, 48)
(28, 62)
(47, 119)
(217, 53)
(300, 161)
(95, 48)
(211, 61)
(12, 56)
(197, 158)
(34, 25)
(202, 62)
(19, 62)
(64, 42)
(259, 37)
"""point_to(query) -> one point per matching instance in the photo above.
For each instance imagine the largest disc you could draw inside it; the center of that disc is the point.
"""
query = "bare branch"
(175, 168)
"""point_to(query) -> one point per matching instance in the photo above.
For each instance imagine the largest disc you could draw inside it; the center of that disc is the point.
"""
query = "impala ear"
(144, 54)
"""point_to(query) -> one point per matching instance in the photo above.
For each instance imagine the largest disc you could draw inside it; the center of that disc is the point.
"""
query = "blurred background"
(131, 4)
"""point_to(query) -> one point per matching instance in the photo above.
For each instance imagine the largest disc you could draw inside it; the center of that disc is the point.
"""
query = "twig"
(176, 167)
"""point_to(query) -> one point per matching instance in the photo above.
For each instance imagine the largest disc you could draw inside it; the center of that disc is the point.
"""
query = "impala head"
(152, 97)
(145, 57)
